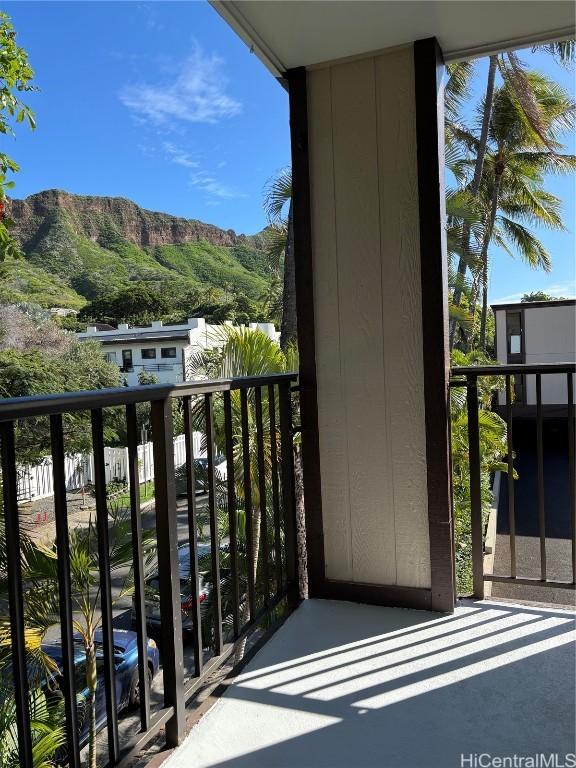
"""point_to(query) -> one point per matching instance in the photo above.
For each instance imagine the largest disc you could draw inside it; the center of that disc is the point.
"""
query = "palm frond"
(528, 246)
(277, 193)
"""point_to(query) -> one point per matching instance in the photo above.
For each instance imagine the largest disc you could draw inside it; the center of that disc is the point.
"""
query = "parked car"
(126, 675)
(201, 475)
(152, 590)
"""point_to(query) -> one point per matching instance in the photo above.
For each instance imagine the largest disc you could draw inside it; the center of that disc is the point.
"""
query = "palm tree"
(278, 198)
(244, 352)
(46, 718)
(40, 574)
(515, 165)
(474, 187)
(47, 726)
(516, 78)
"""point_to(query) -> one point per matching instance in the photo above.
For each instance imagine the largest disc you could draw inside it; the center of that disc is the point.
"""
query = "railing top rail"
(48, 405)
(502, 370)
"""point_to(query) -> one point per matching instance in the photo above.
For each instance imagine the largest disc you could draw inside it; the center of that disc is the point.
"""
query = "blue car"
(126, 669)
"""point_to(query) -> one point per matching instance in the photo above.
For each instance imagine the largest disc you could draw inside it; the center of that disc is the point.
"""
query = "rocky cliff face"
(102, 217)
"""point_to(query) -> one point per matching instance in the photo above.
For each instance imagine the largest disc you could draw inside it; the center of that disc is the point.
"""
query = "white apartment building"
(158, 349)
(537, 332)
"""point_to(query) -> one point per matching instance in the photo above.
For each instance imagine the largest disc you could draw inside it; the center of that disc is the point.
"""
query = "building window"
(110, 357)
(168, 352)
(514, 333)
(127, 363)
(148, 354)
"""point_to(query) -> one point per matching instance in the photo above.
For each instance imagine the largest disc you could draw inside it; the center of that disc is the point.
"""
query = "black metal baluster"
(510, 443)
(246, 465)
(262, 494)
(105, 583)
(138, 565)
(275, 490)
(232, 514)
(193, 537)
(572, 470)
(64, 589)
(214, 538)
(475, 487)
(168, 568)
(15, 594)
(540, 462)
(288, 496)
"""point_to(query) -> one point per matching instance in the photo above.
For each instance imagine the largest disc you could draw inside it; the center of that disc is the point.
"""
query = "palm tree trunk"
(485, 244)
(289, 328)
(92, 682)
(484, 314)
(300, 526)
(475, 183)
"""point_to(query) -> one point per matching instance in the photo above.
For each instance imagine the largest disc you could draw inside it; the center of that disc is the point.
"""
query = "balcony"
(323, 683)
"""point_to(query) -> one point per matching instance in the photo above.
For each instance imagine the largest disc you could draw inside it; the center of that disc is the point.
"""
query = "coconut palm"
(513, 178)
(514, 75)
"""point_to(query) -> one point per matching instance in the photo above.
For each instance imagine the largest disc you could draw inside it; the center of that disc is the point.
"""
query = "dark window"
(127, 363)
(514, 333)
(148, 354)
(168, 352)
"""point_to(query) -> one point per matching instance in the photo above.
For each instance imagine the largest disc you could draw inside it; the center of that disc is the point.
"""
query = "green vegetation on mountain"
(23, 282)
(80, 250)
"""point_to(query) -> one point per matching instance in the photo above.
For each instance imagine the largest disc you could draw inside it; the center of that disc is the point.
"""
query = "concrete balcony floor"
(342, 685)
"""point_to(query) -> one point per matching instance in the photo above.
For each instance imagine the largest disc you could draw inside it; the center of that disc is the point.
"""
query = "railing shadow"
(494, 678)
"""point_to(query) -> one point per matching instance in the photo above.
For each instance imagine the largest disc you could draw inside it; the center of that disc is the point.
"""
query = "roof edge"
(529, 304)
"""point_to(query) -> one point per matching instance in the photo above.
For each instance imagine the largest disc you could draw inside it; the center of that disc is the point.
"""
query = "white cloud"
(196, 94)
(179, 156)
(212, 187)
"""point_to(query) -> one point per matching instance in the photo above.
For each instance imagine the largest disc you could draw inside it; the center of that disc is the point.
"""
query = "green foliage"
(138, 305)
(15, 78)
(493, 447)
(41, 594)
(47, 726)
(538, 296)
(32, 372)
(22, 281)
(72, 259)
(244, 352)
(523, 121)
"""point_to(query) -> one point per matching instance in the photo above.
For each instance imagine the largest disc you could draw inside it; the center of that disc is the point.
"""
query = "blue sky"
(161, 103)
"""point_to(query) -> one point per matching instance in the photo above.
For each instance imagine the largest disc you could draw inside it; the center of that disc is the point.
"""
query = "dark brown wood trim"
(298, 99)
(529, 304)
(377, 594)
(428, 76)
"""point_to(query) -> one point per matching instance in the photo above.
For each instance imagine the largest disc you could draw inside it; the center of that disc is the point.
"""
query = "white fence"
(36, 481)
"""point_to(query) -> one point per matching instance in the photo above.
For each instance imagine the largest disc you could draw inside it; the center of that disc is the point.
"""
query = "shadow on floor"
(352, 686)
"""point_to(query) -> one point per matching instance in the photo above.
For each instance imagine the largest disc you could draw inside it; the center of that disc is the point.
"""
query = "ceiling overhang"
(292, 33)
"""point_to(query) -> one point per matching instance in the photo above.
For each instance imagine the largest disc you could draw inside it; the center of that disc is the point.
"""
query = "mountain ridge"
(89, 246)
(135, 219)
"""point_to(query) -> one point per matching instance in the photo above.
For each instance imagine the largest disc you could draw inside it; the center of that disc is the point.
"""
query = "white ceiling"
(292, 33)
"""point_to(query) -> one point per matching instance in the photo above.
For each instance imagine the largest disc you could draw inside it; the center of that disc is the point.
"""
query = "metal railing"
(277, 540)
(468, 377)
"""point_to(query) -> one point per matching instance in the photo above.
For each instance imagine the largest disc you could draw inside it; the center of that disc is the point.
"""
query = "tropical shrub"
(493, 447)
